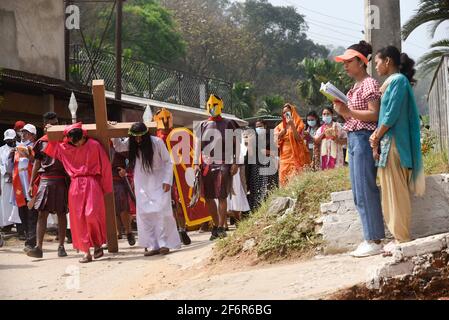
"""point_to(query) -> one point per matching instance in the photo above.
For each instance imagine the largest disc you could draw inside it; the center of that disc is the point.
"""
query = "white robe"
(9, 214)
(238, 201)
(156, 225)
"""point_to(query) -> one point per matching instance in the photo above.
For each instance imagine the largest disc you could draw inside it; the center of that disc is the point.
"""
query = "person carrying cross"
(90, 171)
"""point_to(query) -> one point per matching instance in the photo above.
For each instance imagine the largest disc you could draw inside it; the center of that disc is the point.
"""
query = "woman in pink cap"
(361, 115)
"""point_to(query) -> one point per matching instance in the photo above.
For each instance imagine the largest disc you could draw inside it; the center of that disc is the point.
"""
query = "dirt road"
(184, 274)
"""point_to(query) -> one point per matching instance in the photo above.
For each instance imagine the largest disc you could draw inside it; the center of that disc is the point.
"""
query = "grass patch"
(436, 162)
(295, 234)
(276, 239)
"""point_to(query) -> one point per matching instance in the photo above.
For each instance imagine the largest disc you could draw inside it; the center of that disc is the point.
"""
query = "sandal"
(164, 250)
(98, 253)
(86, 259)
(151, 253)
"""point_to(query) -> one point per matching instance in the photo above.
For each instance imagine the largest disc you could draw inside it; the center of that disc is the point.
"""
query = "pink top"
(90, 159)
(359, 97)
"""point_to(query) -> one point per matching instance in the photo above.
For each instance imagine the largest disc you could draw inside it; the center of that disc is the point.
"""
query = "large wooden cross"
(103, 131)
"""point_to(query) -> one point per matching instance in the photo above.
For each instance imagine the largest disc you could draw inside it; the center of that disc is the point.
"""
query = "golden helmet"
(164, 119)
(214, 105)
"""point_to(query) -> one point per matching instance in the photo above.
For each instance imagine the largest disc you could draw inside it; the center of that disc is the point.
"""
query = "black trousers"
(29, 224)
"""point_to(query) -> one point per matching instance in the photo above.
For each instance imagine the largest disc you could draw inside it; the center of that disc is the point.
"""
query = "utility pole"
(118, 50)
(66, 44)
(382, 26)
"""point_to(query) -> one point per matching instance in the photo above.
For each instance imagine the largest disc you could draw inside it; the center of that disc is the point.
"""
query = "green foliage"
(149, 32)
(436, 12)
(295, 234)
(430, 61)
(252, 41)
(271, 106)
(428, 141)
(243, 99)
(317, 71)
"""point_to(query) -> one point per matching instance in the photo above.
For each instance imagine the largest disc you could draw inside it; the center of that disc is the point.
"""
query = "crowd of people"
(379, 137)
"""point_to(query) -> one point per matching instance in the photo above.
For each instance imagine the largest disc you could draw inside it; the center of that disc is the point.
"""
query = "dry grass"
(295, 235)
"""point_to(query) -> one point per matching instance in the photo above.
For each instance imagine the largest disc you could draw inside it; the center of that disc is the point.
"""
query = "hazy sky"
(325, 29)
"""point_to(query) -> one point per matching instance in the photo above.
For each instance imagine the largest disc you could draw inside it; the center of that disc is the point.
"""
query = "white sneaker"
(366, 249)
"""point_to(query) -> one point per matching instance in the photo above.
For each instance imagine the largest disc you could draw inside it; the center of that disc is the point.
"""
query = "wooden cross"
(102, 131)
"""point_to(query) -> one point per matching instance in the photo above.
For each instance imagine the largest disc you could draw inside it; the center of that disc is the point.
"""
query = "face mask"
(311, 123)
(261, 131)
(327, 119)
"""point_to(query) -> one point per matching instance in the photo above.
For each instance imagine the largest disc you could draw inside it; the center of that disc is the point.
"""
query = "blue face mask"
(327, 119)
(311, 123)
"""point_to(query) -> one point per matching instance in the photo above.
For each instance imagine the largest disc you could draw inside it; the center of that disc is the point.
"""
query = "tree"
(149, 32)
(252, 42)
(281, 32)
(317, 71)
(243, 99)
(437, 12)
(271, 106)
(430, 61)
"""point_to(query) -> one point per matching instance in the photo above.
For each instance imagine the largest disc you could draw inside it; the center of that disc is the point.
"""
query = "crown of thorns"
(137, 133)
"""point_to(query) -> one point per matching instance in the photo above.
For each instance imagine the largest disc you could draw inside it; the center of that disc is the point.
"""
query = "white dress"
(238, 201)
(156, 225)
(9, 214)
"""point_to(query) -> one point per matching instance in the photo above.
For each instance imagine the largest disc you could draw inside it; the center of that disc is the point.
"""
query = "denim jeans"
(363, 179)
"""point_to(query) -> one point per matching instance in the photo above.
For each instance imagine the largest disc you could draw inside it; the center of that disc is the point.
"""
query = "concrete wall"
(32, 36)
(342, 231)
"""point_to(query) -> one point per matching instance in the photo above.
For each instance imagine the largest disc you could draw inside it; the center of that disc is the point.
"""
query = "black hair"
(49, 116)
(144, 150)
(330, 109)
(364, 48)
(405, 64)
(75, 135)
(262, 121)
(315, 115)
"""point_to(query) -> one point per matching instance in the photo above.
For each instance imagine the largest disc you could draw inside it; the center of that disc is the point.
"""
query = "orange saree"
(294, 154)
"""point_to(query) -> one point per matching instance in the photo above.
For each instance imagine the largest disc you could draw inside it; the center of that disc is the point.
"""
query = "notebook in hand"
(332, 93)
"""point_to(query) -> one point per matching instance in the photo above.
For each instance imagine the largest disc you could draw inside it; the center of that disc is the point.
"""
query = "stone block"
(389, 270)
(342, 196)
(331, 207)
(423, 246)
(279, 205)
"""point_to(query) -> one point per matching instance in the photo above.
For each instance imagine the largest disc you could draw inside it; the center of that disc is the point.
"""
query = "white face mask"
(261, 131)
(327, 119)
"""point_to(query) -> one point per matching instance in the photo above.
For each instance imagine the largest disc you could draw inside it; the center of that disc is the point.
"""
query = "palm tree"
(437, 12)
(430, 61)
(243, 99)
(317, 71)
(271, 106)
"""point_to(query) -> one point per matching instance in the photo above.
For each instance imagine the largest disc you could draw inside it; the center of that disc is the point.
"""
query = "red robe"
(91, 178)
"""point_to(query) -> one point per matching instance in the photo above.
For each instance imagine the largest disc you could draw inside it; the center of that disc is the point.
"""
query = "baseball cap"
(19, 125)
(30, 128)
(9, 134)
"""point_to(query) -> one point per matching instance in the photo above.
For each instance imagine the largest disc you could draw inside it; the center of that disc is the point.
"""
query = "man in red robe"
(88, 165)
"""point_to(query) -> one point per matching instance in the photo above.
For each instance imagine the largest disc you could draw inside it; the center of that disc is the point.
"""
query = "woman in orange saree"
(293, 152)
